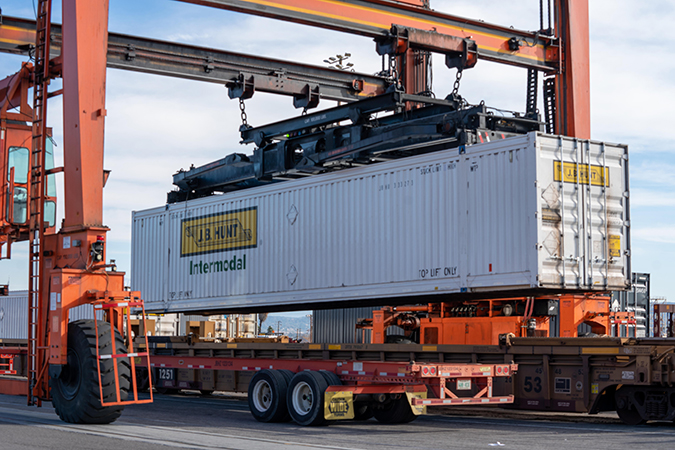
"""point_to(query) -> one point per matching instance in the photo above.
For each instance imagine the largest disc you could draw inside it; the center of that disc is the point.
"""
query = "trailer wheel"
(76, 393)
(331, 378)
(288, 375)
(305, 398)
(362, 411)
(267, 396)
(396, 411)
(626, 408)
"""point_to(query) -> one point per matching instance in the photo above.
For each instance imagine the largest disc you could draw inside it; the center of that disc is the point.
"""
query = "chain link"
(455, 87)
(393, 68)
(242, 108)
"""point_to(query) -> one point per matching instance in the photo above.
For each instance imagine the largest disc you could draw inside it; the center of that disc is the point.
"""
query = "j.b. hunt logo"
(230, 230)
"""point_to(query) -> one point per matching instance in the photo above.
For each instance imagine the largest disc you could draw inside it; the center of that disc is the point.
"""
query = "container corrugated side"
(14, 315)
(510, 216)
(332, 326)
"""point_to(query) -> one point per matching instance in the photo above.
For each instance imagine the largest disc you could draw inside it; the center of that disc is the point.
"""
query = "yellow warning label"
(429, 348)
(231, 230)
(581, 173)
(315, 346)
(594, 388)
(334, 347)
(418, 410)
(338, 405)
(614, 245)
(231, 345)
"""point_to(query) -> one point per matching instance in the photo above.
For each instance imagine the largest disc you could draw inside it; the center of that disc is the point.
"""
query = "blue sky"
(156, 125)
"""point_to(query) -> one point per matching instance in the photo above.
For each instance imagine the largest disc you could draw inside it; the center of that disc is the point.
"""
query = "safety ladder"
(117, 307)
(37, 323)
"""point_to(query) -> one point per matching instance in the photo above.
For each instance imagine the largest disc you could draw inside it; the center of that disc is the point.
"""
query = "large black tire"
(288, 375)
(267, 396)
(397, 410)
(362, 411)
(331, 378)
(76, 393)
(305, 398)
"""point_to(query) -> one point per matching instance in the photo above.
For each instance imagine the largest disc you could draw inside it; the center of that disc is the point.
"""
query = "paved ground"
(223, 422)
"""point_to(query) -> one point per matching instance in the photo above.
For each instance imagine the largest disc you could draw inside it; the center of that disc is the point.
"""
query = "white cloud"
(664, 234)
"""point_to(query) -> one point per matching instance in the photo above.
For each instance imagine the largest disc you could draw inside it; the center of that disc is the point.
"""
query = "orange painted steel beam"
(85, 40)
(209, 65)
(372, 18)
(573, 98)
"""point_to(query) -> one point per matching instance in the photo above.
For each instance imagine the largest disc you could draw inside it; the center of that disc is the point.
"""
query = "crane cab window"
(50, 190)
(18, 158)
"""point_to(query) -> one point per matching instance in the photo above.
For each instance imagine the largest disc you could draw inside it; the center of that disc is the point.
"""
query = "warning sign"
(339, 405)
(614, 246)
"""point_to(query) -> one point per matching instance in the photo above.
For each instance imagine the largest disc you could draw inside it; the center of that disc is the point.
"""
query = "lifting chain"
(393, 69)
(455, 87)
(242, 108)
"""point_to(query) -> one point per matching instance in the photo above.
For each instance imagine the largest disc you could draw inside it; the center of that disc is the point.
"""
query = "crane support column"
(85, 45)
(573, 97)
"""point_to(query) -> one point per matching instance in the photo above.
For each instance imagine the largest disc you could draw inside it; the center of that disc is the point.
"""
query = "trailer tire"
(267, 396)
(288, 375)
(362, 411)
(76, 393)
(305, 398)
(331, 378)
(396, 411)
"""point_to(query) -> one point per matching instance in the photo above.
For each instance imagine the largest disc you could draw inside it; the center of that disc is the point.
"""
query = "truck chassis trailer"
(633, 377)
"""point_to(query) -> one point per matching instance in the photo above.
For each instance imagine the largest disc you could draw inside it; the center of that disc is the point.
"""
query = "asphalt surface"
(223, 422)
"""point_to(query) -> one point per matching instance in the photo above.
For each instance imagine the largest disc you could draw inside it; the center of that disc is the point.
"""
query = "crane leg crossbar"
(117, 312)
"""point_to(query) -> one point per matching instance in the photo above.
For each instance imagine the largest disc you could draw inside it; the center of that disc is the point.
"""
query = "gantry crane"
(68, 268)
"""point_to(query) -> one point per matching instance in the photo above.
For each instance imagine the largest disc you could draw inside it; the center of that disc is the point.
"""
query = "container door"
(584, 235)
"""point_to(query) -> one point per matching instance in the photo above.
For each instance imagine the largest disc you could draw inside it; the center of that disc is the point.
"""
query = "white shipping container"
(529, 214)
(14, 315)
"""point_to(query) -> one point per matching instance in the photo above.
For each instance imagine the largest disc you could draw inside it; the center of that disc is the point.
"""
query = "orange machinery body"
(482, 322)
(16, 137)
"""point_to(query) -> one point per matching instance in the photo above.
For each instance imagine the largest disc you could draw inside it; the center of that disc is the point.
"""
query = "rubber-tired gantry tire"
(396, 411)
(305, 398)
(267, 396)
(76, 394)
